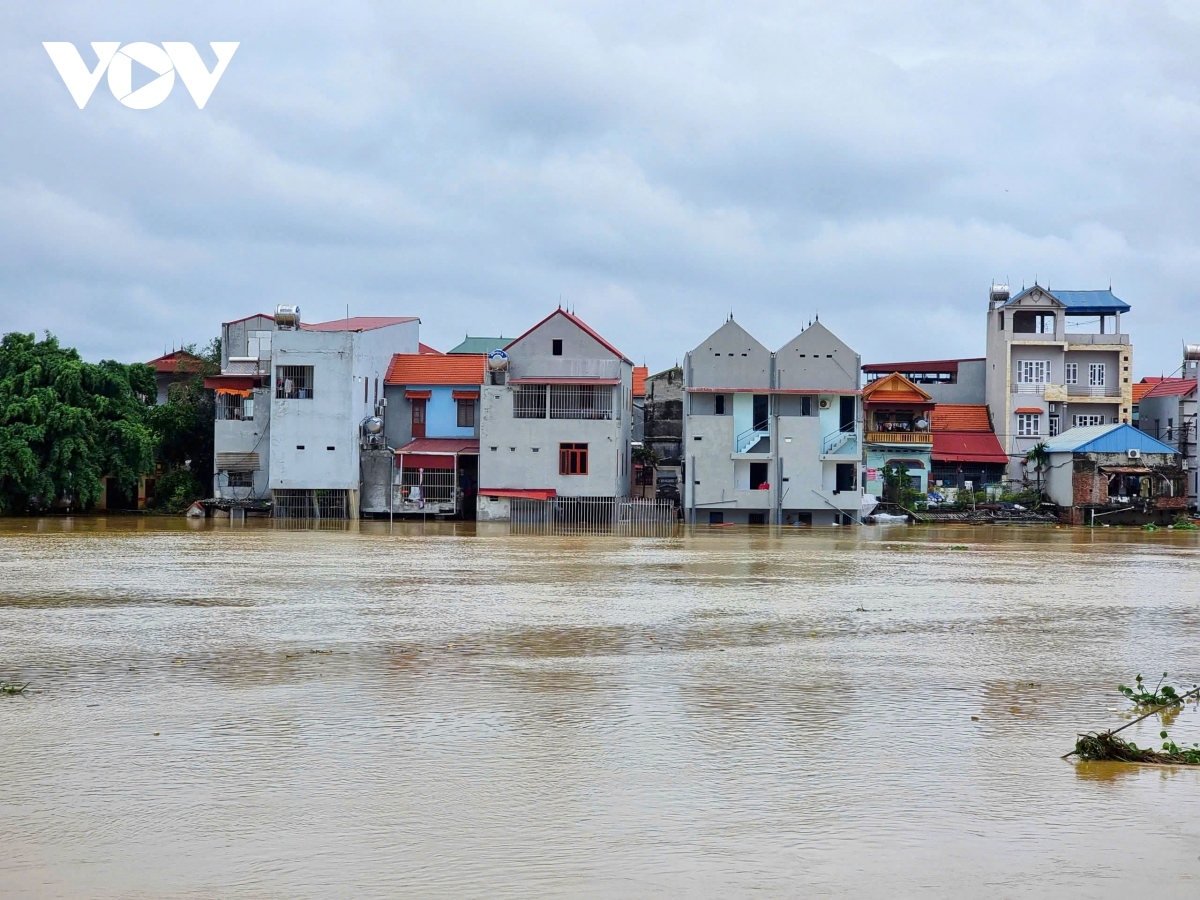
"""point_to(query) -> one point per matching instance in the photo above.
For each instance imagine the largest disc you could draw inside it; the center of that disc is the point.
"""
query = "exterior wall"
(816, 360)
(234, 337)
(970, 389)
(346, 367)
(1060, 480)
(1180, 412)
(664, 413)
(730, 357)
(880, 455)
(252, 436)
(397, 417)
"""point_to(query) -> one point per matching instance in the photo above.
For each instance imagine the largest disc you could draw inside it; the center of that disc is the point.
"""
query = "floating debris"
(12, 689)
(1105, 745)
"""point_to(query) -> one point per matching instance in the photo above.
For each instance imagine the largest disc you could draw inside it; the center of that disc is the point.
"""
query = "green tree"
(66, 423)
(1040, 459)
(185, 429)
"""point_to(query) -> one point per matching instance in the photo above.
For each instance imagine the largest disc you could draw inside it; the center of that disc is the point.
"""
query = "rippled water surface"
(428, 712)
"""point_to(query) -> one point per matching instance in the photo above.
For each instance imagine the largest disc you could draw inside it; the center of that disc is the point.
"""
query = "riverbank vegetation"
(67, 425)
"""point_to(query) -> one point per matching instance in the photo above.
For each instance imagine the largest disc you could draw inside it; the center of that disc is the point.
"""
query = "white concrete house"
(557, 421)
(309, 388)
(772, 437)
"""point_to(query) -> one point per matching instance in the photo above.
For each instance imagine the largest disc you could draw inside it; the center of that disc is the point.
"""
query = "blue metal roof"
(1106, 439)
(1082, 303)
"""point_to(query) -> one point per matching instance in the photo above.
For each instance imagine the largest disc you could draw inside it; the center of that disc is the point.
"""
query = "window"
(758, 476)
(1072, 373)
(1170, 429)
(293, 382)
(556, 347)
(241, 479)
(806, 406)
(529, 401)
(418, 412)
(1001, 320)
(1029, 424)
(581, 401)
(572, 459)
(1086, 420)
(1033, 371)
(1053, 424)
(719, 404)
(1096, 372)
(235, 408)
(716, 518)
(466, 413)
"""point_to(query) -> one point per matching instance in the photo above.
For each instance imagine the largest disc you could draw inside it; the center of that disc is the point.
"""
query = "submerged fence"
(311, 504)
(624, 516)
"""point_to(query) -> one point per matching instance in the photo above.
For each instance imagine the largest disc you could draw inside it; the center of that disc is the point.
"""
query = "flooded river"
(427, 712)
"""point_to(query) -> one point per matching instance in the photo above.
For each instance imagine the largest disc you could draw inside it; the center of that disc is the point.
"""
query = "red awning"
(442, 446)
(426, 461)
(968, 447)
(465, 395)
(233, 382)
(525, 493)
(418, 395)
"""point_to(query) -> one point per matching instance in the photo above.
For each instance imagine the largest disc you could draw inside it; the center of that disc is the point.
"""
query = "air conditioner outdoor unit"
(824, 404)
(1134, 454)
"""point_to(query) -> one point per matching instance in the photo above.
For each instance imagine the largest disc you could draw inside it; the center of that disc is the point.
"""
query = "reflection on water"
(425, 711)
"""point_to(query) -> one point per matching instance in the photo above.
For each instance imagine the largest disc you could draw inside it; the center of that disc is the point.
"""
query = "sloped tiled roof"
(440, 368)
(1140, 389)
(639, 380)
(960, 417)
(358, 323)
(894, 388)
(177, 361)
(1171, 387)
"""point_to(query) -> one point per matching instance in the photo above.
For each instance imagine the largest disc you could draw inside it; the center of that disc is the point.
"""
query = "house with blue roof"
(1056, 360)
(1114, 474)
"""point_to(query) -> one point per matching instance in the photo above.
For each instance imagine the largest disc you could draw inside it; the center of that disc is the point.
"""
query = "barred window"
(581, 401)
(529, 401)
(241, 479)
(235, 408)
(293, 382)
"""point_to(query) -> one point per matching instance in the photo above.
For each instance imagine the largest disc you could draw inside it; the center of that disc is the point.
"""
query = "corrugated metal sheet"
(237, 462)
(1105, 439)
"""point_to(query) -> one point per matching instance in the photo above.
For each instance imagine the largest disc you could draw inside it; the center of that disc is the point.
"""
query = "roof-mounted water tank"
(999, 293)
(287, 317)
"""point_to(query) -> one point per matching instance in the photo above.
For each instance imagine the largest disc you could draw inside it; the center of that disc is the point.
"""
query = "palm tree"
(1040, 460)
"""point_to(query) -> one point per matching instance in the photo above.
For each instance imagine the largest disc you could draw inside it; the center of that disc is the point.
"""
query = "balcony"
(1028, 387)
(899, 437)
(1091, 390)
(1093, 339)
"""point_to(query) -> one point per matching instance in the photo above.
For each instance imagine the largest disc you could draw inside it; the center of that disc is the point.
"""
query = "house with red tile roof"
(965, 448)
(432, 423)
(1167, 412)
(174, 367)
(896, 433)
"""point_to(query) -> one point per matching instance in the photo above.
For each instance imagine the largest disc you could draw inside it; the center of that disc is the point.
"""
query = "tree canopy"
(66, 423)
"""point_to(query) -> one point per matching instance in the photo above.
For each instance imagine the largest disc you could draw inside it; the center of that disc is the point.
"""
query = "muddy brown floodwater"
(427, 712)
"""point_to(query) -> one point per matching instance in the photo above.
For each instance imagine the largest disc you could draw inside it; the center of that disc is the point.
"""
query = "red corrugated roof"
(1172, 387)
(580, 323)
(639, 380)
(177, 361)
(440, 368)
(425, 348)
(441, 446)
(358, 323)
(968, 447)
(960, 417)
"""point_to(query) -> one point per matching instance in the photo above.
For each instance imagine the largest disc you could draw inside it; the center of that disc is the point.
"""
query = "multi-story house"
(555, 418)
(1055, 360)
(432, 426)
(897, 433)
(1168, 412)
(959, 381)
(291, 400)
(772, 437)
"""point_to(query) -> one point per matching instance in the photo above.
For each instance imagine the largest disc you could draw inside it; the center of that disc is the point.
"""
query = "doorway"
(761, 412)
(418, 418)
(846, 414)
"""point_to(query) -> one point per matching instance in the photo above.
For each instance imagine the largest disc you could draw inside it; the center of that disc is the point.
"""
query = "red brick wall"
(1090, 487)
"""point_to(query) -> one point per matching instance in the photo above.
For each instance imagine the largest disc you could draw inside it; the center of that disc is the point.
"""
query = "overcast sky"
(654, 165)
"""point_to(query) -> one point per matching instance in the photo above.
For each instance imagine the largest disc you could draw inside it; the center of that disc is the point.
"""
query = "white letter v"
(196, 78)
(75, 75)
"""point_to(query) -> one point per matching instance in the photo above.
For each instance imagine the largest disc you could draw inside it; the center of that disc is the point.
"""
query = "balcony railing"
(834, 443)
(1028, 387)
(745, 442)
(1093, 390)
(899, 437)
